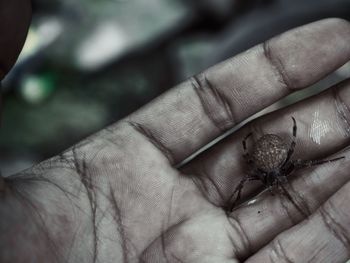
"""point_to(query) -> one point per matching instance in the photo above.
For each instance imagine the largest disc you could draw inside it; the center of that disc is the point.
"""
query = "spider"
(270, 162)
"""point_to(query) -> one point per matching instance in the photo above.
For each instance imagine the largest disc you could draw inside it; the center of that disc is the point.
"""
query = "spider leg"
(270, 188)
(282, 179)
(309, 163)
(288, 168)
(293, 143)
(238, 190)
(239, 187)
(246, 154)
(290, 198)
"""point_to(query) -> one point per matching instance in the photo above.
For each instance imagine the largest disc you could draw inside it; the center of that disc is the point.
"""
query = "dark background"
(88, 63)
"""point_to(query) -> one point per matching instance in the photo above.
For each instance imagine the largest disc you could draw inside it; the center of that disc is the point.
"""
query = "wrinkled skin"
(118, 196)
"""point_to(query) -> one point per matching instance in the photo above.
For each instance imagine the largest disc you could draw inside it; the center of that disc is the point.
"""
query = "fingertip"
(310, 52)
(336, 22)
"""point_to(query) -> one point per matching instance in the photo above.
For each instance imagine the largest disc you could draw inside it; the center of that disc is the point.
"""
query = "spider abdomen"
(270, 152)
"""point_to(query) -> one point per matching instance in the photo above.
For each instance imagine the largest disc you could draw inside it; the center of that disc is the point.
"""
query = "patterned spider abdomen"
(269, 152)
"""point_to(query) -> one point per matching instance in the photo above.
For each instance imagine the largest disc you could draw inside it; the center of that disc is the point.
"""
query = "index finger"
(192, 114)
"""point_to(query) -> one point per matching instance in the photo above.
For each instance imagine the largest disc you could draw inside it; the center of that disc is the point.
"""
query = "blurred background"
(88, 63)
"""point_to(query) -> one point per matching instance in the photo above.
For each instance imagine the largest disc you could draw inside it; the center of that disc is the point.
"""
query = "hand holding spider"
(120, 196)
(271, 163)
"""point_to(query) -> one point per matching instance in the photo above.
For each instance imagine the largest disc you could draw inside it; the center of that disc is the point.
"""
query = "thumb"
(15, 17)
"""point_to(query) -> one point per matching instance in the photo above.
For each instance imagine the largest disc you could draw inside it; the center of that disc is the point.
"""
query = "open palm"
(120, 196)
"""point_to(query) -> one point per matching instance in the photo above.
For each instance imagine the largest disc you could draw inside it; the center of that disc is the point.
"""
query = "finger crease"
(117, 217)
(277, 66)
(279, 254)
(237, 226)
(216, 106)
(333, 226)
(152, 139)
(88, 184)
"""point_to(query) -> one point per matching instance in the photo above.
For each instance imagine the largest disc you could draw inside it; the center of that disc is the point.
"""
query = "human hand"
(118, 196)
